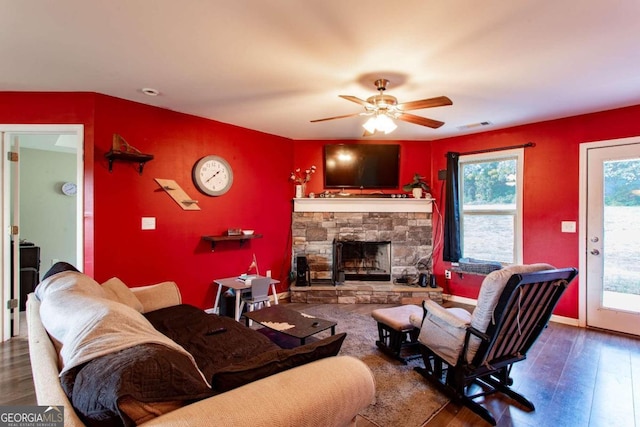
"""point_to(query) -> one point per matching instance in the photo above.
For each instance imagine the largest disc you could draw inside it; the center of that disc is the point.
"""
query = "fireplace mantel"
(361, 204)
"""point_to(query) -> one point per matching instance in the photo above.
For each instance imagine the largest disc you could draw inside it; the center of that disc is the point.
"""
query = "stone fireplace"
(400, 232)
(405, 224)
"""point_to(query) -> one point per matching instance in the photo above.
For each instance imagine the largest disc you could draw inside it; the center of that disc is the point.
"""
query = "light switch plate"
(568, 226)
(148, 223)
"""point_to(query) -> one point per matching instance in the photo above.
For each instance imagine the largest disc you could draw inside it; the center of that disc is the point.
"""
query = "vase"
(299, 191)
(417, 192)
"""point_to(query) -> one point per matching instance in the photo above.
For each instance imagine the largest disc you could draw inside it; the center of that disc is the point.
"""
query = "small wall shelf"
(460, 272)
(225, 238)
(178, 194)
(139, 158)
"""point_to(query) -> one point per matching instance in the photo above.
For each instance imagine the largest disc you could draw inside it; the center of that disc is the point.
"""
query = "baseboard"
(565, 320)
(556, 319)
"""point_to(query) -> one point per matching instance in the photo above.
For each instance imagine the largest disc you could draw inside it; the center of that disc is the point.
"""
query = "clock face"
(212, 175)
(69, 189)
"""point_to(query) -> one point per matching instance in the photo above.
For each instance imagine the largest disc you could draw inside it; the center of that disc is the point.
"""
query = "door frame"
(582, 216)
(78, 131)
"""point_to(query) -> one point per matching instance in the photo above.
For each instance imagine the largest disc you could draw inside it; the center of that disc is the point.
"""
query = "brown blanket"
(148, 373)
(188, 326)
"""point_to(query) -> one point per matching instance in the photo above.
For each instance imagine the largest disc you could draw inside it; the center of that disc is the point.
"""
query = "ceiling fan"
(384, 108)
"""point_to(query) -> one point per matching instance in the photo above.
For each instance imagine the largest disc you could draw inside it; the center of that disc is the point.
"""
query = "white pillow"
(117, 291)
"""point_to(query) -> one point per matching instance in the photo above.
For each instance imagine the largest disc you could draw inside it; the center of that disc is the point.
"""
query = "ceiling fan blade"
(425, 103)
(336, 117)
(357, 101)
(417, 120)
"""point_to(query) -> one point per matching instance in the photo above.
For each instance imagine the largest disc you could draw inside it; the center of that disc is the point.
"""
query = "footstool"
(397, 336)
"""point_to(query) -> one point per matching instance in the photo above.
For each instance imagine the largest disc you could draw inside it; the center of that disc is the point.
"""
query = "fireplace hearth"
(361, 261)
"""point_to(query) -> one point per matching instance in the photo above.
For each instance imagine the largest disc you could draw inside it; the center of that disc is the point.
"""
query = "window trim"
(518, 154)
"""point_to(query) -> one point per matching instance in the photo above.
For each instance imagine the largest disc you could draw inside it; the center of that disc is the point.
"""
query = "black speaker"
(303, 273)
(422, 280)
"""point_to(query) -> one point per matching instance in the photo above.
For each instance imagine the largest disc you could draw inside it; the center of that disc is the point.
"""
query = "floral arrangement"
(299, 177)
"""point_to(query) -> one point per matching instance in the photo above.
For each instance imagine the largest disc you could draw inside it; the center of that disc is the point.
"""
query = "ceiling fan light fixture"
(385, 109)
(385, 124)
(381, 123)
(370, 125)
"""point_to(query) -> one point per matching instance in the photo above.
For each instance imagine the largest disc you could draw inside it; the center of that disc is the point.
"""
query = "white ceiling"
(275, 65)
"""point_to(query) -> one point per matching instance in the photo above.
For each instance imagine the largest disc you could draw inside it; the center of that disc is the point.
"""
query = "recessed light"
(150, 91)
(474, 125)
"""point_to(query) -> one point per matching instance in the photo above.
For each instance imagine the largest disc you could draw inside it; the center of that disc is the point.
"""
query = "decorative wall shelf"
(225, 238)
(122, 156)
(178, 194)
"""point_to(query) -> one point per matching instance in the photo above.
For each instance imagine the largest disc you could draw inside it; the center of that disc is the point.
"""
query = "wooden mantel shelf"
(225, 238)
(361, 204)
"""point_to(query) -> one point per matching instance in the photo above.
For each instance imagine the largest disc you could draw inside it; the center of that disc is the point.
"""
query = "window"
(491, 206)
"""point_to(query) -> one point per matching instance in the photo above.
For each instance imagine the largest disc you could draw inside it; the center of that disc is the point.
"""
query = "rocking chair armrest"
(481, 335)
(471, 331)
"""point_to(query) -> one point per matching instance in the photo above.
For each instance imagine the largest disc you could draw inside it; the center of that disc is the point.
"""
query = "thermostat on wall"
(69, 188)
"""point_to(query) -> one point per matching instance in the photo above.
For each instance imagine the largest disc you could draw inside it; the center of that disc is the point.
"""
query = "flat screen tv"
(364, 166)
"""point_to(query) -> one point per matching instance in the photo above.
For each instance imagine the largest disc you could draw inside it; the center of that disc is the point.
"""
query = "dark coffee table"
(290, 322)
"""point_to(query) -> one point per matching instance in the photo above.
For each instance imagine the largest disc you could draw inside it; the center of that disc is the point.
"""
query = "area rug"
(403, 397)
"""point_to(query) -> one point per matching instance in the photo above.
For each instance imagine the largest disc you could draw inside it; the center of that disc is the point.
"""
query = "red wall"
(261, 195)
(55, 108)
(551, 187)
(259, 199)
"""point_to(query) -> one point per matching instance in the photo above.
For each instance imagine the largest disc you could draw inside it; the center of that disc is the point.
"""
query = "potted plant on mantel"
(417, 186)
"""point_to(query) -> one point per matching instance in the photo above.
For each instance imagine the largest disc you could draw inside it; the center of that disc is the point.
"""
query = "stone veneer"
(410, 233)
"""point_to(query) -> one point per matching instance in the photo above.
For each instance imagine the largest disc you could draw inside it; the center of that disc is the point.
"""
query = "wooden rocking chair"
(461, 351)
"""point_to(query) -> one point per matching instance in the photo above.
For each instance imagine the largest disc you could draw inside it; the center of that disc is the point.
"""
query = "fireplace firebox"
(361, 261)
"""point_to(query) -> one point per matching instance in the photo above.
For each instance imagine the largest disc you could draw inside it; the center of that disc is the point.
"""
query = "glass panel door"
(613, 234)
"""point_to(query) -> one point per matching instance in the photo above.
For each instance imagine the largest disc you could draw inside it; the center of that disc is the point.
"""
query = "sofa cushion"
(275, 361)
(157, 296)
(119, 292)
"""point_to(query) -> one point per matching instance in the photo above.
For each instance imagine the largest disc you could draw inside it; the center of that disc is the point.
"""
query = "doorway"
(43, 197)
(611, 234)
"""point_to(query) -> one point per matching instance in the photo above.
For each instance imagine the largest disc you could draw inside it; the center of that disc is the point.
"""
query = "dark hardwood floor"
(574, 376)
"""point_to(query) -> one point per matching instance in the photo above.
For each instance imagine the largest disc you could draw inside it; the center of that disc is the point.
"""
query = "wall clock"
(69, 188)
(212, 175)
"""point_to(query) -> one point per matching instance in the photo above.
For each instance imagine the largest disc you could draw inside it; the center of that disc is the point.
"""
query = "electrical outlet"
(447, 274)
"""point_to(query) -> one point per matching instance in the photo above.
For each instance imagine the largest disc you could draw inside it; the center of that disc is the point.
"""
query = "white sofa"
(327, 392)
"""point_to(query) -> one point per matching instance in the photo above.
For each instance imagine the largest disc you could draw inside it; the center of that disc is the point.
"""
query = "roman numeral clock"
(212, 175)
